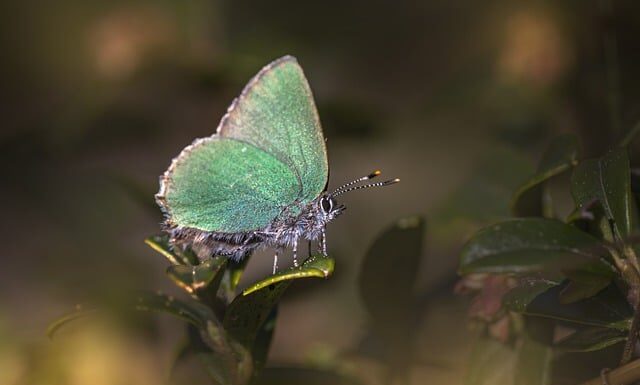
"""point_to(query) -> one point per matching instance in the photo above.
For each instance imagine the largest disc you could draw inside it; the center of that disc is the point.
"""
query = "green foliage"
(228, 333)
(580, 275)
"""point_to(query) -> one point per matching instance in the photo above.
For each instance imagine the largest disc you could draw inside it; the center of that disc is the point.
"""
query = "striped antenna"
(376, 184)
(361, 179)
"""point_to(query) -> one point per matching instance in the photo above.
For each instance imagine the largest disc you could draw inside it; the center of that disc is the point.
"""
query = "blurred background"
(456, 98)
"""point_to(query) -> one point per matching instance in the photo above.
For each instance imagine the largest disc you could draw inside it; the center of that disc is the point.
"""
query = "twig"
(632, 337)
(622, 375)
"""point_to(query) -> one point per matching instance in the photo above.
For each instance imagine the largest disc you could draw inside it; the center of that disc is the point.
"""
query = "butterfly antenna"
(376, 184)
(361, 179)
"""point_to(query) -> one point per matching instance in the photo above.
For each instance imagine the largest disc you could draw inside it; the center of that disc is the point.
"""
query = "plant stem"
(622, 375)
(632, 338)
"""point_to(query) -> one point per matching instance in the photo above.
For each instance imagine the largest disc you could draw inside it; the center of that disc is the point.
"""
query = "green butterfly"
(261, 179)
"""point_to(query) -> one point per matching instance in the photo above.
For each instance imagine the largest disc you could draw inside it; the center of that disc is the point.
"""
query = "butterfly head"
(328, 205)
(329, 208)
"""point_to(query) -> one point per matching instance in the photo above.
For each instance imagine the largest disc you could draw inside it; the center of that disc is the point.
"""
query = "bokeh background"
(456, 98)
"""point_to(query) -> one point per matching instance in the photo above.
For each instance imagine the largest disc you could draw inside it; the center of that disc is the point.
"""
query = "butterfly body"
(260, 180)
(305, 223)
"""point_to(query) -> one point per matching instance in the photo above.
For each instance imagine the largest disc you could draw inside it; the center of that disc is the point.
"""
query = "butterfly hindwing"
(276, 113)
(225, 185)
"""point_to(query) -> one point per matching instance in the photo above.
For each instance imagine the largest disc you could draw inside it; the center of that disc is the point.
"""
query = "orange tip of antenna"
(396, 180)
(374, 174)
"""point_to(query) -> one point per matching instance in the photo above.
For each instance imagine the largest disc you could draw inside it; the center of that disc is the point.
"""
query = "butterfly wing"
(225, 185)
(276, 112)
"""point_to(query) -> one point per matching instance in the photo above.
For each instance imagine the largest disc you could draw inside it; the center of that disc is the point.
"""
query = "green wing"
(276, 113)
(225, 185)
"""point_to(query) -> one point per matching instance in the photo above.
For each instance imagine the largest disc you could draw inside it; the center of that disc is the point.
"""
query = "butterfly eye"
(326, 204)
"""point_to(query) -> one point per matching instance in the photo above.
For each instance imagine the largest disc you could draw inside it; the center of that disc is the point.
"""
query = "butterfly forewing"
(276, 113)
(225, 185)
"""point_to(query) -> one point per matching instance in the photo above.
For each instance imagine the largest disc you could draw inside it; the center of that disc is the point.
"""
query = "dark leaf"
(228, 361)
(608, 308)
(247, 313)
(316, 266)
(630, 135)
(606, 180)
(559, 157)
(590, 339)
(263, 341)
(389, 269)
(527, 245)
(518, 298)
(586, 282)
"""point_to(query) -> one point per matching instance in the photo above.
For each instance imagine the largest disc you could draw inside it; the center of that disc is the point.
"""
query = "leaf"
(195, 279)
(387, 287)
(586, 282)
(231, 279)
(160, 243)
(223, 359)
(528, 245)
(315, 266)
(389, 269)
(606, 180)
(608, 308)
(229, 362)
(590, 339)
(630, 135)
(518, 298)
(247, 313)
(191, 312)
(559, 157)
(491, 363)
(263, 341)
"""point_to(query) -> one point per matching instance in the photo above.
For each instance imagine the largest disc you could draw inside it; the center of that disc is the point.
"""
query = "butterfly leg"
(324, 242)
(275, 261)
(295, 253)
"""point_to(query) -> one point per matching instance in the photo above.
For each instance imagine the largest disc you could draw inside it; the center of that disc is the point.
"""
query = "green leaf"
(606, 180)
(192, 312)
(609, 308)
(518, 298)
(231, 279)
(263, 341)
(194, 279)
(528, 245)
(229, 362)
(316, 266)
(247, 313)
(590, 339)
(160, 243)
(389, 269)
(559, 157)
(586, 282)
(491, 363)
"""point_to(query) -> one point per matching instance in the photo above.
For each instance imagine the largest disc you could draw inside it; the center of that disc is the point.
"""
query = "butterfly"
(261, 179)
